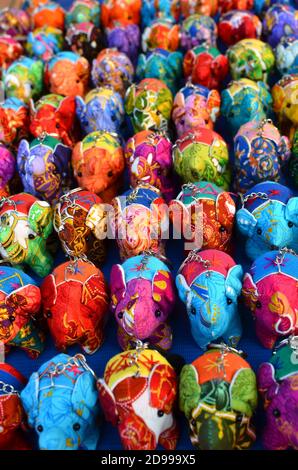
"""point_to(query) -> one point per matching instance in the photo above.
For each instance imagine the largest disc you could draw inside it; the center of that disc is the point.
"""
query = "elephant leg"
(233, 333)
(266, 337)
(162, 337)
(273, 439)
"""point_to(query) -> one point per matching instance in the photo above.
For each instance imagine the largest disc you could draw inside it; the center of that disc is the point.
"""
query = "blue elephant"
(163, 65)
(209, 283)
(268, 219)
(61, 402)
(165, 9)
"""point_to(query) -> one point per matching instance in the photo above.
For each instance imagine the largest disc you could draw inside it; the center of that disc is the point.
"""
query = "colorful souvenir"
(120, 12)
(12, 415)
(260, 152)
(251, 58)
(43, 43)
(204, 214)
(14, 22)
(149, 159)
(20, 302)
(14, 121)
(113, 68)
(67, 74)
(218, 395)
(149, 105)
(138, 394)
(286, 55)
(23, 79)
(54, 115)
(209, 284)
(10, 50)
(139, 221)
(81, 284)
(126, 39)
(161, 34)
(268, 219)
(198, 30)
(48, 14)
(82, 11)
(204, 7)
(25, 225)
(163, 65)
(293, 167)
(98, 164)
(101, 110)
(206, 66)
(195, 106)
(202, 155)
(81, 223)
(7, 169)
(285, 104)
(85, 39)
(279, 21)
(143, 296)
(227, 5)
(270, 292)
(159, 9)
(61, 402)
(277, 383)
(44, 167)
(243, 101)
(236, 25)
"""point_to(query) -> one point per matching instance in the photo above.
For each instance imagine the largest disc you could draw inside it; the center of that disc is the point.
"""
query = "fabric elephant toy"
(81, 224)
(203, 7)
(227, 5)
(218, 395)
(161, 34)
(12, 415)
(286, 55)
(260, 152)
(198, 30)
(44, 167)
(98, 164)
(143, 296)
(62, 405)
(270, 292)
(48, 14)
(123, 12)
(10, 50)
(236, 25)
(202, 155)
(85, 39)
(243, 101)
(44, 42)
(102, 109)
(285, 104)
(7, 169)
(81, 11)
(279, 21)
(67, 74)
(25, 225)
(15, 22)
(195, 106)
(54, 115)
(159, 9)
(149, 159)
(125, 39)
(81, 284)
(208, 212)
(20, 302)
(139, 221)
(149, 105)
(268, 219)
(14, 121)
(277, 383)
(209, 284)
(146, 384)
(23, 79)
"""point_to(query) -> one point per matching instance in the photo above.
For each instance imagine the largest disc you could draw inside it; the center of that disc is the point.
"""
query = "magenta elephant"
(143, 295)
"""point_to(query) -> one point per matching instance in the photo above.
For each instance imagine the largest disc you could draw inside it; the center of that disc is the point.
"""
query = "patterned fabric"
(227, 5)
(7, 169)
(279, 20)
(204, 7)
(198, 30)
(85, 39)
(126, 39)
(44, 42)
(294, 160)
(159, 9)
(120, 12)
(82, 11)
(48, 14)
(15, 23)
(284, 105)
(23, 79)
(161, 34)
(236, 25)
(14, 121)
(10, 50)
(286, 55)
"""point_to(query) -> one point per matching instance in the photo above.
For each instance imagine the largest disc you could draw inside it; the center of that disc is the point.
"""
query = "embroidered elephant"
(163, 9)
(285, 104)
(206, 66)
(161, 34)
(81, 11)
(286, 55)
(123, 12)
(14, 121)
(23, 79)
(125, 39)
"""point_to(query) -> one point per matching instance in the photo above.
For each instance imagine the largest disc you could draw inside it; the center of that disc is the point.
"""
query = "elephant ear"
(97, 220)
(226, 102)
(225, 209)
(175, 61)
(249, 291)
(291, 212)
(40, 218)
(48, 290)
(243, 391)
(62, 155)
(184, 290)
(267, 385)
(81, 108)
(213, 104)
(141, 66)
(29, 397)
(130, 99)
(23, 156)
(36, 70)
(27, 299)
(94, 292)
(163, 387)
(284, 149)
(107, 401)
(67, 109)
(233, 283)
(246, 222)
(189, 390)
(84, 396)
(118, 285)
(163, 290)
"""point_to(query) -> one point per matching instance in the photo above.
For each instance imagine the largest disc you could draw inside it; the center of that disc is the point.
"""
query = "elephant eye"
(110, 174)
(258, 304)
(157, 313)
(229, 301)
(158, 113)
(48, 314)
(259, 231)
(76, 427)
(276, 413)
(159, 172)
(31, 236)
(193, 422)
(193, 311)
(11, 318)
(160, 413)
(57, 125)
(290, 224)
(195, 174)
(39, 428)
(120, 315)
(113, 118)
(222, 229)
(288, 105)
(80, 174)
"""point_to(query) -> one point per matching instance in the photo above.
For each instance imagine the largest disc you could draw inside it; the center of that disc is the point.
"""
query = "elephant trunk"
(214, 434)
(55, 439)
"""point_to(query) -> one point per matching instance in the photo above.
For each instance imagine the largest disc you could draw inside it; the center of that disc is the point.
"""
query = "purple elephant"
(126, 39)
(143, 295)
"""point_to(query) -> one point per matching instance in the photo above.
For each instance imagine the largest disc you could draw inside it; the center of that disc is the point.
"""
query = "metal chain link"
(194, 256)
(259, 195)
(134, 355)
(78, 360)
(8, 389)
(282, 253)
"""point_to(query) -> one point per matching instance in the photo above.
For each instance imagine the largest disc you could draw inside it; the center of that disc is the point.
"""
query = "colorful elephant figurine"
(7, 169)
(120, 12)
(48, 14)
(43, 43)
(62, 404)
(268, 219)
(44, 167)
(245, 100)
(209, 284)
(85, 39)
(204, 214)
(149, 105)
(143, 296)
(203, 7)
(277, 383)
(285, 104)
(67, 74)
(198, 30)
(218, 395)
(270, 292)
(149, 159)
(139, 221)
(227, 5)
(12, 417)
(126, 39)
(159, 9)
(286, 55)
(25, 225)
(202, 155)
(14, 121)
(102, 109)
(10, 50)
(20, 302)
(195, 106)
(98, 164)
(161, 34)
(15, 22)
(23, 79)
(260, 152)
(145, 381)
(279, 21)
(82, 11)
(236, 25)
